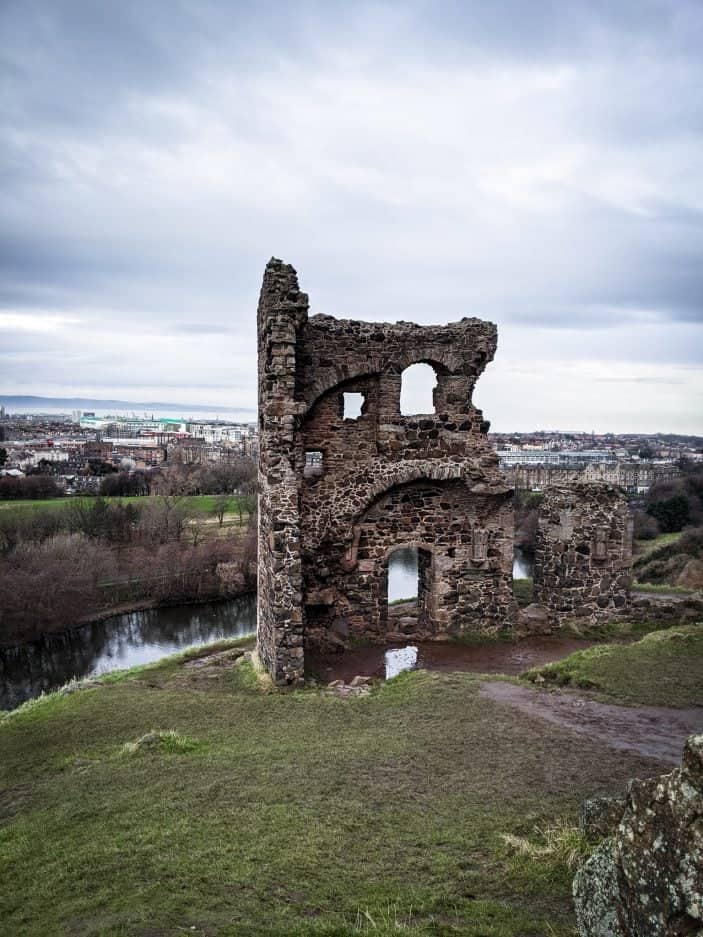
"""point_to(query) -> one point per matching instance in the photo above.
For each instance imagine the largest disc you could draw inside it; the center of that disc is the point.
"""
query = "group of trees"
(70, 562)
(179, 478)
(171, 478)
(671, 506)
(126, 484)
(31, 486)
(68, 578)
(152, 521)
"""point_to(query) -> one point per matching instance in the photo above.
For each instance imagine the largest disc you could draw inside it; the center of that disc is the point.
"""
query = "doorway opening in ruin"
(409, 589)
(418, 383)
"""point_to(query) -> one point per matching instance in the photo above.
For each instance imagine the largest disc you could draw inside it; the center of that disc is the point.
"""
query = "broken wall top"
(323, 352)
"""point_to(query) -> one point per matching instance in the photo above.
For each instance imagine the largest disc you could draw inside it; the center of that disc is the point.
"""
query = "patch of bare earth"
(650, 731)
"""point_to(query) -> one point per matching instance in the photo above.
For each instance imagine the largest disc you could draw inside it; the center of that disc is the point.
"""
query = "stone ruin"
(583, 553)
(338, 495)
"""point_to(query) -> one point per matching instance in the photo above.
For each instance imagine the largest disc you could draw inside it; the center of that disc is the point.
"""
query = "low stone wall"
(677, 610)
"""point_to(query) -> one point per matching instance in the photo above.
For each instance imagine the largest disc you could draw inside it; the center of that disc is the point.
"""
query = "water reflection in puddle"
(509, 657)
(400, 659)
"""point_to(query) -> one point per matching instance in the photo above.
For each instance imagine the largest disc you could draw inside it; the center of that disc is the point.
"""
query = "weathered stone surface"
(583, 553)
(600, 816)
(647, 880)
(339, 495)
(361, 680)
(534, 619)
(596, 895)
(669, 609)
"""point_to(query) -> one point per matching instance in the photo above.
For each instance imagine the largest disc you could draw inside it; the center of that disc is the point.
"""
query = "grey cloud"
(201, 328)
(535, 164)
(638, 380)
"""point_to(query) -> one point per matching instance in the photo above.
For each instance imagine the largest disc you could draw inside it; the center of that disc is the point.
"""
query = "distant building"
(635, 477)
(33, 457)
(144, 452)
(523, 456)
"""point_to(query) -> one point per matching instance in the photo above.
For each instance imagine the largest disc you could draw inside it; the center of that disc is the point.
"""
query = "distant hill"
(22, 403)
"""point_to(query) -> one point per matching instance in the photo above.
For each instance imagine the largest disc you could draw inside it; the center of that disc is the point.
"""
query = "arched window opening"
(417, 390)
(353, 404)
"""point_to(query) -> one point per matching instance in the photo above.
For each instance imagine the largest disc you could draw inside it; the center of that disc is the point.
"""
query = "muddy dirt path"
(652, 731)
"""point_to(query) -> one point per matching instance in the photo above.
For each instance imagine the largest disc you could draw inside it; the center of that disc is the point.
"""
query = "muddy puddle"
(496, 657)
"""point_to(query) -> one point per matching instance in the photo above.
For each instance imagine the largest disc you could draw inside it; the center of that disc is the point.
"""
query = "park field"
(198, 504)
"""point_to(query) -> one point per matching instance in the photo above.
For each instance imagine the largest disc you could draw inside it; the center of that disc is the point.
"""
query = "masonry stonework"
(583, 552)
(339, 495)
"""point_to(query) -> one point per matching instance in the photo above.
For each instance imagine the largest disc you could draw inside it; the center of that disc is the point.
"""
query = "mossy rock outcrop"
(647, 879)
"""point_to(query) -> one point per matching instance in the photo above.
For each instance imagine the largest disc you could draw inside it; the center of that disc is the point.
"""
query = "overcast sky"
(539, 164)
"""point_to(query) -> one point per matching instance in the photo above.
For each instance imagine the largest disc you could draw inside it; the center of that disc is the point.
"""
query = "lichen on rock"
(647, 879)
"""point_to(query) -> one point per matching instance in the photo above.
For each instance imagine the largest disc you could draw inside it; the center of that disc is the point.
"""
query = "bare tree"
(222, 503)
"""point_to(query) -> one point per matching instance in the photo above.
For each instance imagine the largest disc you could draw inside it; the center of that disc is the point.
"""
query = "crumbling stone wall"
(282, 312)
(583, 552)
(338, 496)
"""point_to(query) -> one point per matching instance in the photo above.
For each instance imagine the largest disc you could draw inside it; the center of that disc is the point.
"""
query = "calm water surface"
(145, 636)
(116, 643)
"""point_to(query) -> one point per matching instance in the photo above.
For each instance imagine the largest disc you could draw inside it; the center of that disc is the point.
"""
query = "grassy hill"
(253, 812)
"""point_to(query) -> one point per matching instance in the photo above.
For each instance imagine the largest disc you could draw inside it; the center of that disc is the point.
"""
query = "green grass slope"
(664, 668)
(261, 813)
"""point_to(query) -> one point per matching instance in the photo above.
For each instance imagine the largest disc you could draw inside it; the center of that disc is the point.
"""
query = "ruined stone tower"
(583, 553)
(338, 496)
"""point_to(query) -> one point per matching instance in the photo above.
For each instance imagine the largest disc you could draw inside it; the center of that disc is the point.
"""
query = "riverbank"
(58, 572)
(127, 608)
(119, 641)
(162, 603)
(183, 797)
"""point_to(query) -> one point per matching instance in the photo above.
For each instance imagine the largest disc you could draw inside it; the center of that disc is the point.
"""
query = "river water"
(117, 643)
(145, 636)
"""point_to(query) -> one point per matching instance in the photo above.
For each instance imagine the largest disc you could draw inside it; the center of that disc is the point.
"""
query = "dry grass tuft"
(563, 842)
